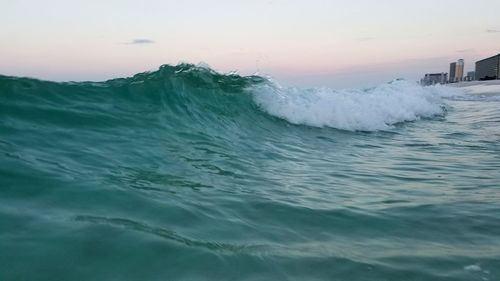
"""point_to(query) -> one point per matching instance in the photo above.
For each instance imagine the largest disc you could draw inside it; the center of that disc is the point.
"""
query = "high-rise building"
(459, 72)
(456, 71)
(453, 68)
(488, 69)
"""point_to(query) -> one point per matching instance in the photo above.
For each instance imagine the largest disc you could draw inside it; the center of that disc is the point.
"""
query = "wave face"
(188, 174)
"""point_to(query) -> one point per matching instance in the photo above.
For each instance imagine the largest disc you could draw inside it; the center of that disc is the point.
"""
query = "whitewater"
(185, 173)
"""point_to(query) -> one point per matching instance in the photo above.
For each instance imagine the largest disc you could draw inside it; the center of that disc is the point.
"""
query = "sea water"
(189, 174)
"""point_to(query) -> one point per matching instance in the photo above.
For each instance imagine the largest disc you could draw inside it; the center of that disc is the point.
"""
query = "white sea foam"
(472, 267)
(377, 108)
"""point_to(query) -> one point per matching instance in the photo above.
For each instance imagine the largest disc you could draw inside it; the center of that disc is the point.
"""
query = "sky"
(306, 43)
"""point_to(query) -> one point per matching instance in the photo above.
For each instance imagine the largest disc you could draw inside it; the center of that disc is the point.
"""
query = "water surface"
(187, 174)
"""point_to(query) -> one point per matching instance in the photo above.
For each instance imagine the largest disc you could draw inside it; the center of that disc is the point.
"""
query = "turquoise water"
(187, 174)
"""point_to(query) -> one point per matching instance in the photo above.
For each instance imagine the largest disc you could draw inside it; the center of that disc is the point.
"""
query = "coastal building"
(456, 71)
(459, 72)
(434, 78)
(471, 76)
(453, 68)
(488, 69)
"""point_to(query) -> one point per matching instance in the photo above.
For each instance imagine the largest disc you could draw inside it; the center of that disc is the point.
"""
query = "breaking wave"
(189, 93)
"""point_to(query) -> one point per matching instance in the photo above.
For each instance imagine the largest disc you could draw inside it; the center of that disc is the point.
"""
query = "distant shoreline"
(474, 83)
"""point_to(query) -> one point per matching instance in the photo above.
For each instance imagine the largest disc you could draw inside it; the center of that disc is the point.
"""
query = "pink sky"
(304, 43)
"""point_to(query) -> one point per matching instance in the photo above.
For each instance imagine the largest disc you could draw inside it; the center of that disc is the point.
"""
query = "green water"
(187, 174)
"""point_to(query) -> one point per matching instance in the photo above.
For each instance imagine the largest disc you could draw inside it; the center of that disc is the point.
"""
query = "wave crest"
(377, 108)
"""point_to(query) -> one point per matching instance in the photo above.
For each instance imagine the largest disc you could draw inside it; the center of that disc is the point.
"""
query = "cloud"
(140, 41)
(492, 30)
(465, 51)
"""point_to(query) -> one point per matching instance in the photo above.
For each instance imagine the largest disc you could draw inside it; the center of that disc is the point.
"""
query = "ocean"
(185, 173)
